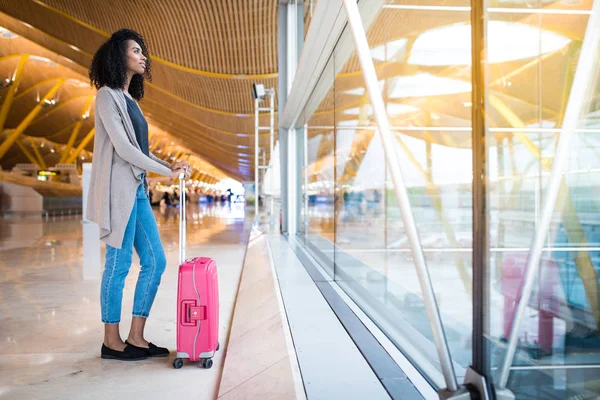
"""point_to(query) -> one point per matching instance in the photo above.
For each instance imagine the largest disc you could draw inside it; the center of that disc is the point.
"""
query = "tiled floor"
(50, 329)
(261, 361)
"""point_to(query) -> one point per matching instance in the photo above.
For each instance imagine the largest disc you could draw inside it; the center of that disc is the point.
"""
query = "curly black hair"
(109, 65)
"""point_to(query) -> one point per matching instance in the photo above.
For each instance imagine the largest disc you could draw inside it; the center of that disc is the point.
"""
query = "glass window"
(354, 225)
(319, 174)
(533, 51)
(422, 55)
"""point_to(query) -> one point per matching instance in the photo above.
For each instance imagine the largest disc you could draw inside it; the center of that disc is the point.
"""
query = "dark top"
(139, 124)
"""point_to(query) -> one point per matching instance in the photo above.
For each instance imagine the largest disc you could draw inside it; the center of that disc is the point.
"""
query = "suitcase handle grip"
(186, 306)
(182, 218)
(190, 313)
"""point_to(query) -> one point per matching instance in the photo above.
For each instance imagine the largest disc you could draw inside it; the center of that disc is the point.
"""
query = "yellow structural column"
(10, 140)
(37, 154)
(83, 143)
(27, 153)
(84, 115)
(155, 144)
(177, 155)
(10, 96)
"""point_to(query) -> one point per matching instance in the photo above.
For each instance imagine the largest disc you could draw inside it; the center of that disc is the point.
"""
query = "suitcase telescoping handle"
(182, 227)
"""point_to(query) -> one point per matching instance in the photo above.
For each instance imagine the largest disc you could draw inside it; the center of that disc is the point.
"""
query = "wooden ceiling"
(206, 53)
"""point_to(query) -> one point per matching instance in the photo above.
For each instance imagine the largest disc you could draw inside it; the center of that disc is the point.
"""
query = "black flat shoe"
(152, 350)
(130, 353)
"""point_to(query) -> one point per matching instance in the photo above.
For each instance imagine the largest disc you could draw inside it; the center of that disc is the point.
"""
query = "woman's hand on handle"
(182, 165)
(176, 171)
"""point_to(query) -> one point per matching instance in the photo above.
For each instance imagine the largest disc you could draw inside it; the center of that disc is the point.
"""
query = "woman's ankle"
(138, 341)
(112, 337)
(115, 344)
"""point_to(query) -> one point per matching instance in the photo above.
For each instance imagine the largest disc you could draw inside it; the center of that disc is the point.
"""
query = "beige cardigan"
(116, 167)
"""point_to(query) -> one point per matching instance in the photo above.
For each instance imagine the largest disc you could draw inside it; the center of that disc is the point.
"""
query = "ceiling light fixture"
(39, 58)
(47, 103)
(7, 82)
(6, 34)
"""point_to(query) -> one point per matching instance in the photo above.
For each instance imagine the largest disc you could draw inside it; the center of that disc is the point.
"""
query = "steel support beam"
(177, 155)
(156, 143)
(61, 131)
(10, 96)
(30, 117)
(84, 115)
(37, 153)
(81, 146)
(387, 139)
(27, 153)
(57, 108)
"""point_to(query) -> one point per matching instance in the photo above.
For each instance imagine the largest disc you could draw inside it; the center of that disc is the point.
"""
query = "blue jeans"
(142, 234)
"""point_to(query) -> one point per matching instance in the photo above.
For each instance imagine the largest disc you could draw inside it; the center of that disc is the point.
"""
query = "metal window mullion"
(583, 74)
(292, 42)
(480, 225)
(305, 180)
(387, 138)
(282, 85)
(293, 38)
(271, 160)
(292, 182)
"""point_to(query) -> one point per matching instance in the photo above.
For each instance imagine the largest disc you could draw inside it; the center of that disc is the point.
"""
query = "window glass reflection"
(558, 350)
(422, 55)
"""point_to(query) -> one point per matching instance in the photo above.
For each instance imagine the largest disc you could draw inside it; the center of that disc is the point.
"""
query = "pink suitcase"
(197, 302)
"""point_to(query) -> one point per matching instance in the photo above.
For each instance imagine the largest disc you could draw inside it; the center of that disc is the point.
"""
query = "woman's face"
(136, 61)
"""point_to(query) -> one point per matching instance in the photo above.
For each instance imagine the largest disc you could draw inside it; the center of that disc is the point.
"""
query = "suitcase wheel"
(218, 346)
(177, 363)
(206, 363)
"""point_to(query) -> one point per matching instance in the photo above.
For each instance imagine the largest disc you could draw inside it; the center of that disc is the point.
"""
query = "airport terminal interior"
(399, 197)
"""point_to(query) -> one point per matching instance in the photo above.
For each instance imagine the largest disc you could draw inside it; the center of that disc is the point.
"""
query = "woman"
(118, 196)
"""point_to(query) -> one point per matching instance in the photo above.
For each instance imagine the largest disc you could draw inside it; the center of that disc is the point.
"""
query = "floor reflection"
(366, 247)
(49, 302)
